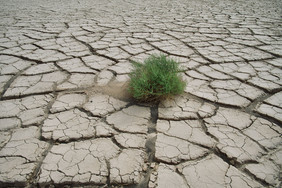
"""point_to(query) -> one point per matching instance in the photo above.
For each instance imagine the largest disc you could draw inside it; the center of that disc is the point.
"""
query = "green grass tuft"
(155, 79)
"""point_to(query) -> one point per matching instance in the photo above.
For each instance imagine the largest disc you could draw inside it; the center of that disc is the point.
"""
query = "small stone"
(145, 168)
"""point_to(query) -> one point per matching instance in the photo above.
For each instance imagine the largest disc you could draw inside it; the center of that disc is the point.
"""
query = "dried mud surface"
(67, 120)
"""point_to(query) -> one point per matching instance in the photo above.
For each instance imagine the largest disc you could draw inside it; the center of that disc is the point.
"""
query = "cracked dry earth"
(66, 120)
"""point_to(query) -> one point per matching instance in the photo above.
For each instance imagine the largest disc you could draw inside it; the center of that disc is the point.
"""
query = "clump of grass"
(156, 79)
